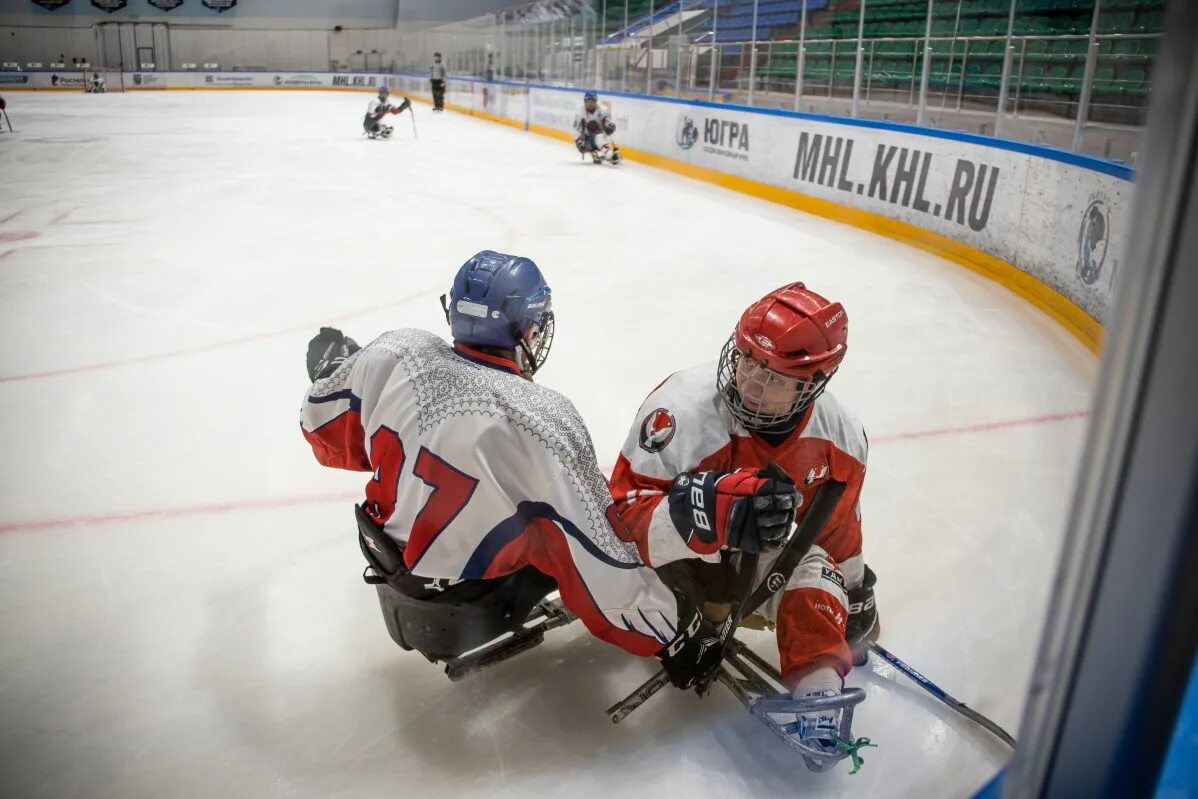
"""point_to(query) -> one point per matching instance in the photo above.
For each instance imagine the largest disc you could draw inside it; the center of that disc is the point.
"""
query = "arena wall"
(1048, 224)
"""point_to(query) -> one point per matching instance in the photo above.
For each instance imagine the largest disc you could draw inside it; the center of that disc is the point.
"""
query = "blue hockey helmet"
(590, 97)
(502, 302)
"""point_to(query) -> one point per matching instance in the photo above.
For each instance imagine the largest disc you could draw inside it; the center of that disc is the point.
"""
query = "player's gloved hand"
(743, 510)
(609, 127)
(327, 350)
(862, 626)
(694, 653)
(581, 144)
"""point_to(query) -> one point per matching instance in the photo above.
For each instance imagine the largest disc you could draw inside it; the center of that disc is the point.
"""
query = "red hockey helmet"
(784, 350)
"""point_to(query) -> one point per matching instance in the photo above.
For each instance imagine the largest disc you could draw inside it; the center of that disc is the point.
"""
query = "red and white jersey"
(377, 108)
(592, 123)
(479, 472)
(683, 426)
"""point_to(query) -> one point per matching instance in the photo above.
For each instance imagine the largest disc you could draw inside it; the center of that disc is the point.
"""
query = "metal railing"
(1085, 91)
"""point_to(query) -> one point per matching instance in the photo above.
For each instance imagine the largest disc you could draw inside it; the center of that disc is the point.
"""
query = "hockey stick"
(936, 691)
(793, 551)
(6, 119)
(746, 570)
(412, 113)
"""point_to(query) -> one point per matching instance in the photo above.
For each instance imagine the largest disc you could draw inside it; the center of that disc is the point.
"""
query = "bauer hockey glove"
(327, 350)
(694, 653)
(743, 510)
(862, 626)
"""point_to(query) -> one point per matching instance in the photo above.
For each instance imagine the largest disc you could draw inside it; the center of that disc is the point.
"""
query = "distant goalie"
(594, 128)
(96, 85)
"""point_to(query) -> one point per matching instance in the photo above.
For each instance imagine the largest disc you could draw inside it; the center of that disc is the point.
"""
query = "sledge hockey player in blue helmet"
(484, 495)
(594, 128)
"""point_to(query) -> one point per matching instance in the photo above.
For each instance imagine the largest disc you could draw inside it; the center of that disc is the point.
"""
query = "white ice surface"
(181, 612)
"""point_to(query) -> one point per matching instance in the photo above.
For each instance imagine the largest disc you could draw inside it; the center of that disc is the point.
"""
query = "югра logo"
(688, 132)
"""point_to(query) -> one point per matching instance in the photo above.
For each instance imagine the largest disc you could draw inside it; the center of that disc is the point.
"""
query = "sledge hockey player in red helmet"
(763, 402)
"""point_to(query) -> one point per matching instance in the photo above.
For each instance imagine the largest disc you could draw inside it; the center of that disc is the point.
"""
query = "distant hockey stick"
(6, 119)
(936, 691)
(412, 114)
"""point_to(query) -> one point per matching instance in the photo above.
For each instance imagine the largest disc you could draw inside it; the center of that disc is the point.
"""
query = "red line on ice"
(19, 235)
(173, 513)
(187, 511)
(62, 216)
(983, 427)
(13, 215)
(5, 254)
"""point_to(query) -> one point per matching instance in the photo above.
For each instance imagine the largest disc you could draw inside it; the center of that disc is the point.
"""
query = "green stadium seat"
(1105, 47)
(1149, 46)
(1127, 47)
(1151, 22)
(1119, 22)
(1057, 80)
(991, 76)
(969, 26)
(1058, 49)
(992, 26)
(1033, 78)
(1103, 80)
(1036, 48)
(1054, 25)
(1079, 23)
(1131, 79)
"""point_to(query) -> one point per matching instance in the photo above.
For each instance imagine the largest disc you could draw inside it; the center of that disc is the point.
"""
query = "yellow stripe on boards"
(1059, 307)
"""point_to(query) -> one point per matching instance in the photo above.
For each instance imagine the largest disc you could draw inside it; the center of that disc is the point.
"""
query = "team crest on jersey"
(813, 475)
(657, 430)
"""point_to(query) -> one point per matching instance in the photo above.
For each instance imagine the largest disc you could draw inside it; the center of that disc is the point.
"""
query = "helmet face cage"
(764, 378)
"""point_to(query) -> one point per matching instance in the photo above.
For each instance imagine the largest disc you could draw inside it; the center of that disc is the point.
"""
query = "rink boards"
(1048, 224)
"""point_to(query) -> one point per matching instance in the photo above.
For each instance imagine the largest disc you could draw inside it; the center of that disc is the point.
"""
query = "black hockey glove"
(327, 350)
(694, 653)
(609, 127)
(862, 625)
(743, 510)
